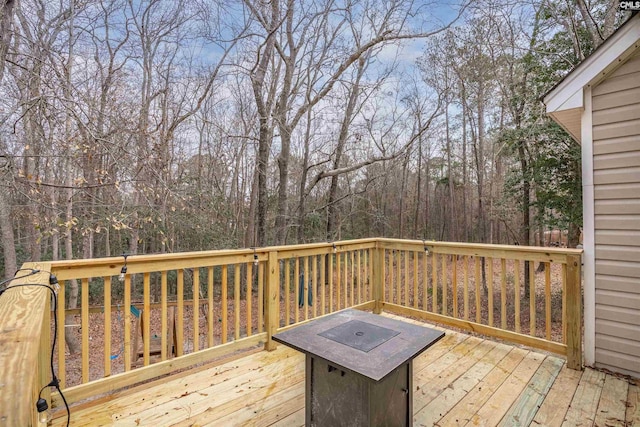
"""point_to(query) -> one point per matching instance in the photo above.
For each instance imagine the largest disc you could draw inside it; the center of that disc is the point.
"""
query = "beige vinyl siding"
(616, 177)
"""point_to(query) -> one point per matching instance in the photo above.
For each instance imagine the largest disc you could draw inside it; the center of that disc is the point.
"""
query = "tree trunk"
(403, 185)
(332, 208)
(416, 212)
(265, 130)
(427, 180)
(283, 168)
(70, 338)
(303, 182)
(8, 239)
(250, 234)
(451, 220)
(573, 236)
(465, 223)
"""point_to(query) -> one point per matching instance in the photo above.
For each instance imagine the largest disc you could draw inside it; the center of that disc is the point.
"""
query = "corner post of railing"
(24, 361)
(574, 312)
(378, 277)
(272, 315)
(44, 354)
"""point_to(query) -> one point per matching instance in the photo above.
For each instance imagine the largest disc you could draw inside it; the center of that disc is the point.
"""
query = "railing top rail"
(527, 253)
(484, 246)
(162, 262)
(117, 261)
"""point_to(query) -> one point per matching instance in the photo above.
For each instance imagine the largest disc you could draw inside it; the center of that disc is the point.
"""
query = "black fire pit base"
(335, 397)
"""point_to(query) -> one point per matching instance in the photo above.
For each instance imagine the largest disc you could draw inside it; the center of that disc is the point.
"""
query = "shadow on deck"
(462, 380)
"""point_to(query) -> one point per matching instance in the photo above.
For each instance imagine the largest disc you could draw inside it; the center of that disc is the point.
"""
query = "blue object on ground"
(301, 293)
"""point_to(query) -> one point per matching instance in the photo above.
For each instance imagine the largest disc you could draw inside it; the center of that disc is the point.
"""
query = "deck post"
(44, 355)
(378, 279)
(574, 312)
(24, 323)
(272, 315)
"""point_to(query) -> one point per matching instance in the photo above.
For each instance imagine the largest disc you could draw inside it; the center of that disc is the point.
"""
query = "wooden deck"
(462, 380)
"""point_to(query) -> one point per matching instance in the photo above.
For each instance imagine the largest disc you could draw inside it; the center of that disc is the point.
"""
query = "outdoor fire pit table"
(359, 368)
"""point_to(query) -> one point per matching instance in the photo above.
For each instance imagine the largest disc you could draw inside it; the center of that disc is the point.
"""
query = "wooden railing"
(481, 288)
(178, 310)
(25, 348)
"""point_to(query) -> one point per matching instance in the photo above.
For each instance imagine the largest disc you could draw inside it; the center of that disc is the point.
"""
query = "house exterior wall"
(616, 186)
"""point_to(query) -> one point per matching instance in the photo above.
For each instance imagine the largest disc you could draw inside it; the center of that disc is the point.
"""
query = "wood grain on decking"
(462, 380)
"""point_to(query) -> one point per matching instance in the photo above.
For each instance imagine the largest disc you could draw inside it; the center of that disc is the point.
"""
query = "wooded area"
(158, 126)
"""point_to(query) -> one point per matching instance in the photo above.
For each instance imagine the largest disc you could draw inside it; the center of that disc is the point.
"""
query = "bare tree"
(8, 245)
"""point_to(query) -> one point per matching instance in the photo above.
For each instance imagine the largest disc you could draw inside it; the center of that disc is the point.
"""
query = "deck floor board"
(524, 410)
(582, 411)
(446, 398)
(556, 402)
(461, 380)
(611, 408)
(499, 403)
(475, 398)
(632, 415)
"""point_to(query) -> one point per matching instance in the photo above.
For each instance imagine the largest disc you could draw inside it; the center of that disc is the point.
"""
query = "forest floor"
(405, 292)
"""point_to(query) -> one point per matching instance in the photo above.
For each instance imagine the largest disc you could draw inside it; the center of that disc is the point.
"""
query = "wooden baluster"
(323, 283)
(406, 279)
(425, 282)
(180, 314)
(338, 281)
(532, 299)
(305, 288)
(196, 309)
(224, 296)
(388, 270)
(331, 283)
(369, 274)
(398, 284)
(62, 375)
(445, 286)
(346, 279)
(210, 311)
(236, 302)
(517, 294)
(107, 326)
(353, 278)
(85, 330)
(261, 300)
(127, 322)
(454, 284)
(314, 282)
(477, 280)
(564, 303)
(503, 293)
(287, 292)
(296, 285)
(377, 277)
(163, 316)
(490, 290)
(415, 279)
(547, 298)
(146, 317)
(434, 283)
(466, 287)
(249, 299)
(359, 279)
